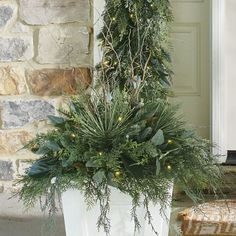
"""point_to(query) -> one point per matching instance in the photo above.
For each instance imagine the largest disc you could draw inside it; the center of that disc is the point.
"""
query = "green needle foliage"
(135, 44)
(125, 135)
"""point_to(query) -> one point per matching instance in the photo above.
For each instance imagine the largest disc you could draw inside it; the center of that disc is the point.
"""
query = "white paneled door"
(191, 61)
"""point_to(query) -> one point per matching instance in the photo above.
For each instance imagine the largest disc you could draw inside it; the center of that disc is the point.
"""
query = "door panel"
(191, 61)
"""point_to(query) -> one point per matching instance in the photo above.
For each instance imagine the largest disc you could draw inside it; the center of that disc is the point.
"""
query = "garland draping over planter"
(126, 134)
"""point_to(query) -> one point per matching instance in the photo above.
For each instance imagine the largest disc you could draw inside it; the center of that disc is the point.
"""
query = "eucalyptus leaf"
(91, 164)
(158, 138)
(99, 176)
(110, 180)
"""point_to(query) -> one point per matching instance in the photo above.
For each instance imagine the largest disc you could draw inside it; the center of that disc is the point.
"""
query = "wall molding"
(195, 29)
(218, 113)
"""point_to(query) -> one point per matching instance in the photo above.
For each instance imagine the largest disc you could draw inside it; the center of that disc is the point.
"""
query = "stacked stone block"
(45, 56)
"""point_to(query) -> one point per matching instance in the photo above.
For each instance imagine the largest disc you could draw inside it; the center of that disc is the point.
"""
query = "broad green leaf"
(91, 164)
(56, 120)
(43, 167)
(158, 138)
(110, 180)
(99, 176)
(53, 146)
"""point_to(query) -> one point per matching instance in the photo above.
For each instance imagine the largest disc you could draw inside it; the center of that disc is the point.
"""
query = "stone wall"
(45, 55)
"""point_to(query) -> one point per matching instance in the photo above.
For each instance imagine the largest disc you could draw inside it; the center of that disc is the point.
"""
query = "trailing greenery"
(125, 134)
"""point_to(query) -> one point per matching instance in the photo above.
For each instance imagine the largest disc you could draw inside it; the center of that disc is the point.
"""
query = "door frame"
(218, 112)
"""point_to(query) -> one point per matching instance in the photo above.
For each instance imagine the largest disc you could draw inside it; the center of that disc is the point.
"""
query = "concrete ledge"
(12, 207)
(15, 221)
(31, 227)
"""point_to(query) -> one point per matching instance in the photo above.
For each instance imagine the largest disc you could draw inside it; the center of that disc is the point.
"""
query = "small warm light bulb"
(73, 135)
(169, 167)
(152, 5)
(100, 153)
(115, 63)
(120, 118)
(131, 15)
(170, 141)
(113, 18)
(117, 174)
(106, 63)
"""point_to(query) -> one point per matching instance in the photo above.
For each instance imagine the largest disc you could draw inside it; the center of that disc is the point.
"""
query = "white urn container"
(79, 221)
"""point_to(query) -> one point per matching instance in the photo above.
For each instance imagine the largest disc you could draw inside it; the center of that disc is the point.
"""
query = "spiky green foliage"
(139, 149)
(135, 44)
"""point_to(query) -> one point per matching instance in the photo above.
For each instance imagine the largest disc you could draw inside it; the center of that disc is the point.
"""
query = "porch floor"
(14, 221)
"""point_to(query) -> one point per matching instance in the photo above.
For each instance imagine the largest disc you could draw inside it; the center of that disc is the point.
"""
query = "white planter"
(82, 222)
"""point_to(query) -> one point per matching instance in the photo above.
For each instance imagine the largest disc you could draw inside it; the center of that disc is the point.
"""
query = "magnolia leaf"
(158, 138)
(43, 167)
(56, 120)
(99, 176)
(158, 166)
(48, 147)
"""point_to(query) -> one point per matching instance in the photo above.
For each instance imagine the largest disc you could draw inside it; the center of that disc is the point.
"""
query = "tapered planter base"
(82, 222)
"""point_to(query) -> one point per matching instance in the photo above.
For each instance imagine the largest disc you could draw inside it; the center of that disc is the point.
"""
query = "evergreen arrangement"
(125, 134)
(135, 44)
